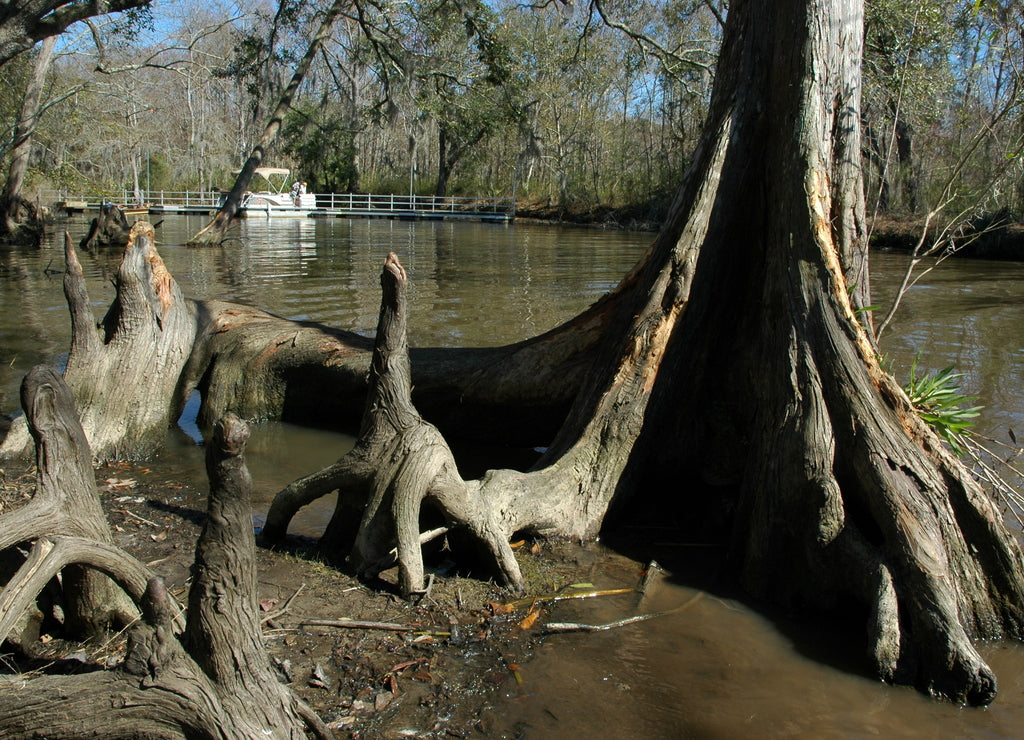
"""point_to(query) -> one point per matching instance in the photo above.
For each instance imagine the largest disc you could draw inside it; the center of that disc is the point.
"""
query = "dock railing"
(327, 203)
(92, 201)
(414, 204)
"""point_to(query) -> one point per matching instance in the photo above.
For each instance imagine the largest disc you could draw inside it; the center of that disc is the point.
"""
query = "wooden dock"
(328, 205)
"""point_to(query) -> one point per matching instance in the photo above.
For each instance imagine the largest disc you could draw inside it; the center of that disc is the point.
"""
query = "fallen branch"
(512, 606)
(355, 624)
(579, 627)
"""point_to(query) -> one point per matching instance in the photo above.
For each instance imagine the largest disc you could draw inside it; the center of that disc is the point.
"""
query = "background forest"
(584, 110)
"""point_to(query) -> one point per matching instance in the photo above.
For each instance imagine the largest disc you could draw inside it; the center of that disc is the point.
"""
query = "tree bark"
(768, 410)
(125, 372)
(730, 379)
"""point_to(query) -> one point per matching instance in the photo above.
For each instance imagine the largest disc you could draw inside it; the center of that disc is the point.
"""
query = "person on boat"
(296, 192)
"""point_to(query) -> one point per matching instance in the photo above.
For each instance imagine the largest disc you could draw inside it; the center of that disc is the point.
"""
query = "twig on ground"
(545, 598)
(355, 624)
(284, 607)
(136, 516)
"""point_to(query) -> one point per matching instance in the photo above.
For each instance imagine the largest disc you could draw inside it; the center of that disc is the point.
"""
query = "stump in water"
(213, 679)
(22, 223)
(124, 372)
(109, 229)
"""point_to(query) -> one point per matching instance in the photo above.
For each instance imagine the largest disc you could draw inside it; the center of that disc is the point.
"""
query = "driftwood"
(208, 676)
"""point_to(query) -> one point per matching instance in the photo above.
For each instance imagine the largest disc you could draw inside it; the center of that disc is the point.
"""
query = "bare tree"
(214, 231)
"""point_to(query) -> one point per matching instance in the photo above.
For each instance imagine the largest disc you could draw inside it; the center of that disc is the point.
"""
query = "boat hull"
(274, 205)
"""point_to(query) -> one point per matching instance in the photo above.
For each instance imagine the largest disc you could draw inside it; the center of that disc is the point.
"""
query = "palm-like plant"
(937, 398)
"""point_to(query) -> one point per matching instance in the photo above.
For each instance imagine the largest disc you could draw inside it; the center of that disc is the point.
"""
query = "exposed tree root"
(65, 504)
(730, 377)
(399, 462)
(211, 678)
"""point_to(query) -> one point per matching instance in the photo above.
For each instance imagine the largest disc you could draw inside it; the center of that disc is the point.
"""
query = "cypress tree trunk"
(19, 220)
(737, 379)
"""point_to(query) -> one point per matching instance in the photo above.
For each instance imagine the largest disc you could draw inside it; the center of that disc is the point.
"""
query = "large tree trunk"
(743, 386)
(213, 680)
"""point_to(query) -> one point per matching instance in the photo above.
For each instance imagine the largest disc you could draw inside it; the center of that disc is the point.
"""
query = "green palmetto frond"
(937, 399)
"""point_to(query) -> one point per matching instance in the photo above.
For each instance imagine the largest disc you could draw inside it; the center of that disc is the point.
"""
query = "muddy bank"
(997, 236)
(640, 217)
(432, 667)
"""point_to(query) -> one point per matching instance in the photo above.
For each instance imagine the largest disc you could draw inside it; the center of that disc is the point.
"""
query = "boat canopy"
(274, 172)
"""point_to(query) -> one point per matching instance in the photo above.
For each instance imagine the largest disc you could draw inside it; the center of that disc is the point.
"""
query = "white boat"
(275, 200)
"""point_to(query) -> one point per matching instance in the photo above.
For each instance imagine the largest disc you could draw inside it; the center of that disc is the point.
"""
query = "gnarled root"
(399, 462)
(124, 373)
(210, 677)
(65, 504)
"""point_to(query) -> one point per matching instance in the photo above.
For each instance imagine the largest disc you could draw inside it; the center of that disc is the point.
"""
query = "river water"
(714, 668)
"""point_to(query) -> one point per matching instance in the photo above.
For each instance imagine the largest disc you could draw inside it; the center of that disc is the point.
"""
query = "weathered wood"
(223, 633)
(399, 461)
(214, 681)
(742, 386)
(65, 503)
(125, 372)
(157, 348)
(49, 557)
(730, 380)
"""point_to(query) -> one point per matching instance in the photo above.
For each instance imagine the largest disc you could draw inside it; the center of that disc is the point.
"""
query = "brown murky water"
(713, 669)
